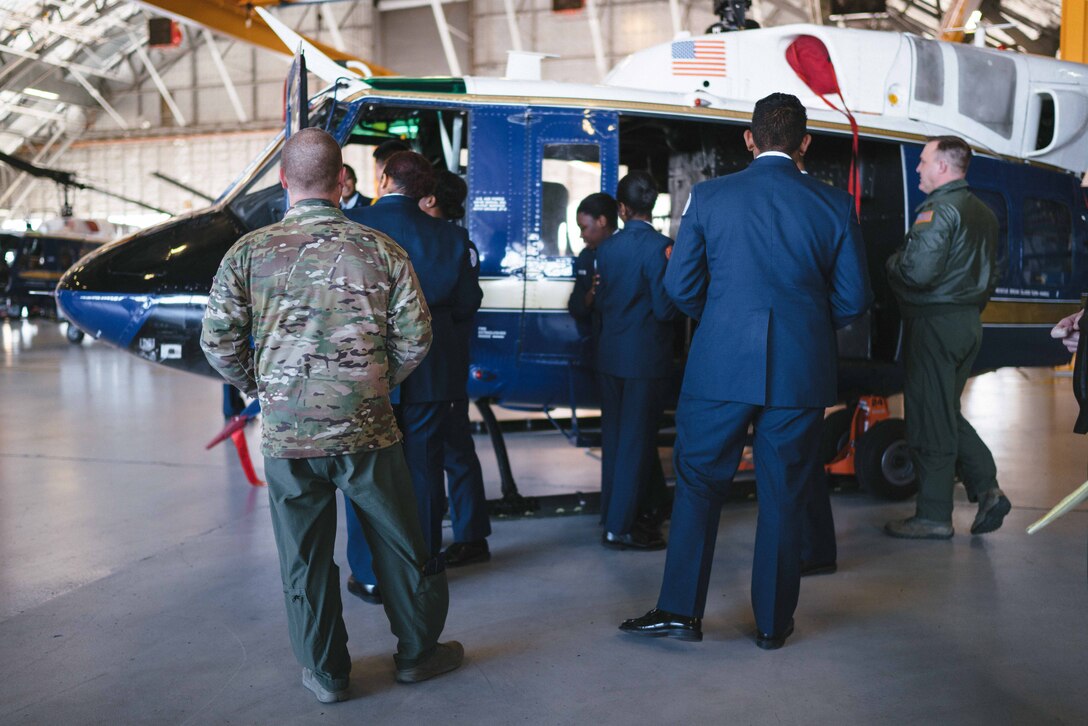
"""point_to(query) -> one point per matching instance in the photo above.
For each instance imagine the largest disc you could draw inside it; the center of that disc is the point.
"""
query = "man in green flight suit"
(337, 319)
(943, 277)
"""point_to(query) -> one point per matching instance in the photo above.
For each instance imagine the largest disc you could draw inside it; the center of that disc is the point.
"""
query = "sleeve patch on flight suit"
(473, 258)
(924, 217)
(668, 252)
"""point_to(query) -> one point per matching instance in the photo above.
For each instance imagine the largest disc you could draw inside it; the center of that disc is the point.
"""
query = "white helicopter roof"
(1010, 104)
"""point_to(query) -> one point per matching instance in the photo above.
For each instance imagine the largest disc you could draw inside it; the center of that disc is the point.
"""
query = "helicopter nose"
(112, 317)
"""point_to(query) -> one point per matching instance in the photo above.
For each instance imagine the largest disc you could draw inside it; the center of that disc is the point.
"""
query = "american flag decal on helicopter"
(701, 58)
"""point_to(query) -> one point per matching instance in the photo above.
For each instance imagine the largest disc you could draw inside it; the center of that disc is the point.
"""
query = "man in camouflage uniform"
(337, 318)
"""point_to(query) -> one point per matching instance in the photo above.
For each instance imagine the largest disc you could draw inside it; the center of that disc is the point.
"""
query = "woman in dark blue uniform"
(634, 363)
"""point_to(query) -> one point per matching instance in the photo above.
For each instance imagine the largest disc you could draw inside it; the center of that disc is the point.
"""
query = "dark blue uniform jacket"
(440, 255)
(636, 333)
(771, 263)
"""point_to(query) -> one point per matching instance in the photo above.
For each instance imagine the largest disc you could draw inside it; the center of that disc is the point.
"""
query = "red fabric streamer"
(809, 59)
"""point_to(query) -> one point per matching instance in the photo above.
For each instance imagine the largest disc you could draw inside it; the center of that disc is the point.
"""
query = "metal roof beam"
(87, 86)
(159, 84)
(228, 84)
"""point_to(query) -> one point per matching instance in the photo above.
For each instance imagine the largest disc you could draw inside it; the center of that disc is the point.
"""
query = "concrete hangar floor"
(139, 584)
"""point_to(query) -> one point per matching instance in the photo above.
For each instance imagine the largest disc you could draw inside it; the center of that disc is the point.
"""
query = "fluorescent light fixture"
(47, 95)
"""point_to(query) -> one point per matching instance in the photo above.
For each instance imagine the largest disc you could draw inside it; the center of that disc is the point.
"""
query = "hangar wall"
(209, 140)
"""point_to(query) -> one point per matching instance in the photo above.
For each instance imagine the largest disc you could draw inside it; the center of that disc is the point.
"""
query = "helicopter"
(531, 149)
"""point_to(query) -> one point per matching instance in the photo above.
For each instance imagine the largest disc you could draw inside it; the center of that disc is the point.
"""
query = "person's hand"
(1068, 330)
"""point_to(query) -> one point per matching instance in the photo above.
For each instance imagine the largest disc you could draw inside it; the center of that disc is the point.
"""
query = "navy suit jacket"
(440, 255)
(771, 262)
(635, 337)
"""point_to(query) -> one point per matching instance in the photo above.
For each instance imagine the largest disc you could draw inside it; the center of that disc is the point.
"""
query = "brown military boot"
(918, 528)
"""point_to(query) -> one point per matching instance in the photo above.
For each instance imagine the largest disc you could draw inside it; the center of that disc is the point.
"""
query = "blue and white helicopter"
(531, 149)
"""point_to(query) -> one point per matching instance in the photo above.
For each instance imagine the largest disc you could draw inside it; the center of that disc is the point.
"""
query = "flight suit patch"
(924, 217)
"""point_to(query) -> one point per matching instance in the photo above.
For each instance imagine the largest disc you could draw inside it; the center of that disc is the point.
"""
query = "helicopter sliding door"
(571, 153)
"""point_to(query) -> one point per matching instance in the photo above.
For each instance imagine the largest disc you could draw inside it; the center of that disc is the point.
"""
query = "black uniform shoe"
(774, 641)
(661, 624)
(638, 538)
(467, 553)
(368, 593)
(818, 568)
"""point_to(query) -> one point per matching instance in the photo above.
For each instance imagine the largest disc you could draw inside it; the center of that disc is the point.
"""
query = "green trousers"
(939, 353)
(414, 590)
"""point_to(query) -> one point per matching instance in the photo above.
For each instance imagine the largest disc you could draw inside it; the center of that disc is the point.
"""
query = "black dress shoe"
(661, 624)
(637, 539)
(367, 593)
(818, 568)
(467, 553)
(774, 641)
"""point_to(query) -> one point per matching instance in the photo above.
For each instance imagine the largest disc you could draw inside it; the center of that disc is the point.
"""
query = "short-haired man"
(350, 198)
(336, 317)
(381, 154)
(770, 262)
(943, 277)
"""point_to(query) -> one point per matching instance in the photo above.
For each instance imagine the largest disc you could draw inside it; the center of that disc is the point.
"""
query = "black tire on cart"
(883, 464)
(74, 334)
(835, 434)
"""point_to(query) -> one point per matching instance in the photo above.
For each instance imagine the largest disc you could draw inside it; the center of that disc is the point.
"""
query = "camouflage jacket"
(336, 318)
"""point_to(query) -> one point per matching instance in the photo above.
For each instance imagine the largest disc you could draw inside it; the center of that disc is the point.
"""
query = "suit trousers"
(422, 425)
(818, 545)
(939, 353)
(710, 438)
(301, 494)
(631, 410)
(464, 477)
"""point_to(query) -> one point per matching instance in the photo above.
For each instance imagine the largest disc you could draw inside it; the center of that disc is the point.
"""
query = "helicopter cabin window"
(928, 72)
(987, 89)
(1043, 106)
(1047, 257)
(569, 173)
(996, 202)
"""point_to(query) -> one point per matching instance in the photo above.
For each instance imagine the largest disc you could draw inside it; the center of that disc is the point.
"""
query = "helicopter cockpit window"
(261, 199)
(570, 173)
(441, 135)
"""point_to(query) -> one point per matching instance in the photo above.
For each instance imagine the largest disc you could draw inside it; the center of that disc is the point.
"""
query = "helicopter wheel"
(74, 334)
(883, 462)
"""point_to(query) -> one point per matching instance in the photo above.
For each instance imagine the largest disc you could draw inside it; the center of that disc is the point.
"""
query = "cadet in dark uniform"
(597, 221)
(464, 476)
(326, 349)
(634, 362)
(943, 277)
(596, 217)
(440, 254)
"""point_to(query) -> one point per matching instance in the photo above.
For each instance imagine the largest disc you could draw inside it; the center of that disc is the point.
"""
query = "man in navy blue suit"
(770, 262)
(439, 252)
(634, 362)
